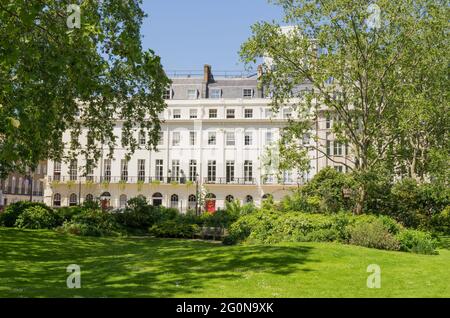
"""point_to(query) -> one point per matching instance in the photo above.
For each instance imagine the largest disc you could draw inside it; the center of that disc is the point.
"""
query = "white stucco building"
(214, 136)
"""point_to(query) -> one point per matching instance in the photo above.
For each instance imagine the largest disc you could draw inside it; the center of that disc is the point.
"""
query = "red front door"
(210, 206)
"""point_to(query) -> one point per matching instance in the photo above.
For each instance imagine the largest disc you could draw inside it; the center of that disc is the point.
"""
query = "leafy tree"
(63, 71)
(369, 66)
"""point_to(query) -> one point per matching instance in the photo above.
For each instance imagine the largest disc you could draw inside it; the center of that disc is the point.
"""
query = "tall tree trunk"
(360, 198)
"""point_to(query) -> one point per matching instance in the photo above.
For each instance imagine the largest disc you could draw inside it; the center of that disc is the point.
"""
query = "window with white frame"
(215, 93)
(269, 137)
(192, 113)
(141, 169)
(230, 113)
(73, 169)
(142, 138)
(248, 170)
(211, 138)
(124, 170)
(176, 114)
(329, 152)
(269, 112)
(161, 138)
(230, 138)
(248, 138)
(174, 201)
(211, 170)
(229, 171)
(175, 170)
(167, 94)
(328, 122)
(338, 168)
(192, 170)
(57, 171)
(176, 138)
(107, 170)
(159, 166)
(192, 138)
(337, 148)
(192, 93)
(248, 113)
(247, 93)
(213, 113)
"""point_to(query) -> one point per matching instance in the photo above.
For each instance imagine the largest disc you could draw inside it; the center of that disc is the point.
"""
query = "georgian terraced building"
(214, 137)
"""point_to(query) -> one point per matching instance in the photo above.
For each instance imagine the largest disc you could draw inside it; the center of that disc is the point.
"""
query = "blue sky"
(190, 33)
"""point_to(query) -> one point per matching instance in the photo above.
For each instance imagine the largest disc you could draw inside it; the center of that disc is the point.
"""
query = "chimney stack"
(207, 72)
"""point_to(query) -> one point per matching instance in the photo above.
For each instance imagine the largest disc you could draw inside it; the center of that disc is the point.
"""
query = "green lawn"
(33, 264)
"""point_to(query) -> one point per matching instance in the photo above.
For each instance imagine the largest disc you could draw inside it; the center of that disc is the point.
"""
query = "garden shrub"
(440, 223)
(92, 223)
(68, 212)
(373, 234)
(417, 242)
(300, 202)
(174, 229)
(327, 186)
(9, 216)
(37, 217)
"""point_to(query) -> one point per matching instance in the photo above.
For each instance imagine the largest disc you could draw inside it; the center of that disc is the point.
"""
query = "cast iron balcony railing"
(230, 181)
(121, 179)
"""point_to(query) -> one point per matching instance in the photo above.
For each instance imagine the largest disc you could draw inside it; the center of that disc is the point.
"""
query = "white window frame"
(176, 138)
(245, 92)
(248, 113)
(212, 138)
(193, 113)
(192, 93)
(230, 138)
(212, 113)
(248, 134)
(215, 93)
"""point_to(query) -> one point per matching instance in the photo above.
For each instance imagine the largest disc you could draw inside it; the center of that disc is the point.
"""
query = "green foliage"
(68, 212)
(9, 216)
(175, 229)
(417, 242)
(373, 234)
(328, 186)
(92, 223)
(71, 68)
(441, 222)
(37, 217)
(298, 201)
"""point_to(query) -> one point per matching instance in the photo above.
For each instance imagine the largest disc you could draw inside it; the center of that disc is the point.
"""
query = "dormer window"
(247, 93)
(192, 94)
(167, 94)
(215, 93)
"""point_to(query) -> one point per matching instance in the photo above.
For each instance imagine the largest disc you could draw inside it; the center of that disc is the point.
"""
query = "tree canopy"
(380, 68)
(74, 66)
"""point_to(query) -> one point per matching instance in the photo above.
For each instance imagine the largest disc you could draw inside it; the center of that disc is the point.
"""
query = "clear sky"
(190, 33)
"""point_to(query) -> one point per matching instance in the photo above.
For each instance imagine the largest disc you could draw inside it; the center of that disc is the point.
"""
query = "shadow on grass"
(33, 264)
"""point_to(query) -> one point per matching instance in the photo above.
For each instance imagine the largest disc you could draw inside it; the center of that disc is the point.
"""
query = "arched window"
(89, 198)
(229, 198)
(73, 199)
(122, 201)
(192, 200)
(174, 201)
(157, 199)
(57, 199)
(248, 199)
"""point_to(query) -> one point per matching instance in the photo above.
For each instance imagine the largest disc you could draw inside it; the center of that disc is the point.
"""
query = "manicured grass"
(33, 264)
